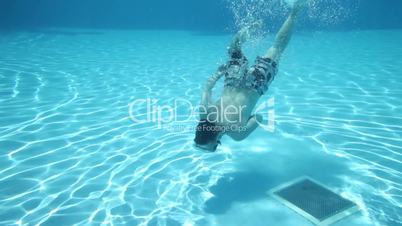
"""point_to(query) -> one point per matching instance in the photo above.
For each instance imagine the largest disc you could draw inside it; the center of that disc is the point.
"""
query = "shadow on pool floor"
(239, 186)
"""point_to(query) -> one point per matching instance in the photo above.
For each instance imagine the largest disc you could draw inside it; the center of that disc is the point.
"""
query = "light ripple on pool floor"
(70, 155)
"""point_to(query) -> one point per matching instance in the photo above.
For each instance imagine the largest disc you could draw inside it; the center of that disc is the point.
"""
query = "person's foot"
(248, 30)
(299, 5)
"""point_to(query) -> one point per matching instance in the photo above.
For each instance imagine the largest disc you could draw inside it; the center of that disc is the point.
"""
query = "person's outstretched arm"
(285, 33)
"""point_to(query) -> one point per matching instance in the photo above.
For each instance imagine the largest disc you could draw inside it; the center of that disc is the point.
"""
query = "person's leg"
(240, 38)
(283, 37)
(237, 42)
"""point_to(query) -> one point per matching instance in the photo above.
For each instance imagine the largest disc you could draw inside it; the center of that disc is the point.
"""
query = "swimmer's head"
(207, 136)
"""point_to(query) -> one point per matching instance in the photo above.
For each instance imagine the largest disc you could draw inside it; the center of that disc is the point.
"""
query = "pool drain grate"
(314, 201)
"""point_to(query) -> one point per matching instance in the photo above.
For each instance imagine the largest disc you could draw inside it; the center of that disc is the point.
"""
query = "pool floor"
(70, 154)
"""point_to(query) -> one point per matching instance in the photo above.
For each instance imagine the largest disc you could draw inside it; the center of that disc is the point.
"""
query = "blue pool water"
(70, 153)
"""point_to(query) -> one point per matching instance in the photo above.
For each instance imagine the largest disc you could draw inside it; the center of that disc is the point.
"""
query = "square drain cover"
(314, 201)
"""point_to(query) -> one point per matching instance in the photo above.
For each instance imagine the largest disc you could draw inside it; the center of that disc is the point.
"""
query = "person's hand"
(259, 118)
